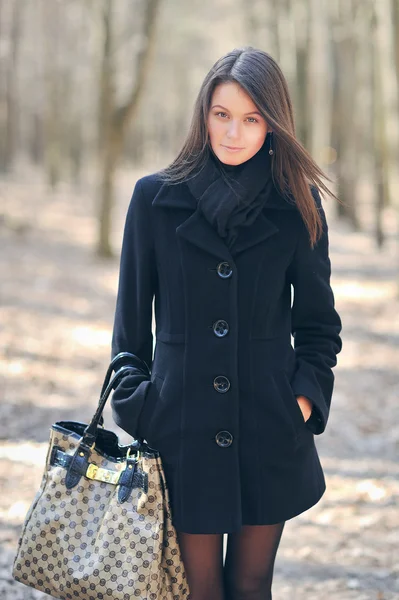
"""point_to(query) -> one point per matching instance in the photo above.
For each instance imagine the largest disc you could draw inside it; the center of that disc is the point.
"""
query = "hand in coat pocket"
(305, 405)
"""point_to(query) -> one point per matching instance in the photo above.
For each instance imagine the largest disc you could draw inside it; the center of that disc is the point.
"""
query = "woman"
(218, 238)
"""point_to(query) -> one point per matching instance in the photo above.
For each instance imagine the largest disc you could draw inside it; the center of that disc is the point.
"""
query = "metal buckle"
(107, 475)
(128, 453)
(101, 474)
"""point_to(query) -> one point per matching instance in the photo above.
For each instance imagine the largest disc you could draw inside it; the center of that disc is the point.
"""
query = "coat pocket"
(150, 405)
(291, 403)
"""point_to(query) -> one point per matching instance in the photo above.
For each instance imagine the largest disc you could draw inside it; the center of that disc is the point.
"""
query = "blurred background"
(97, 93)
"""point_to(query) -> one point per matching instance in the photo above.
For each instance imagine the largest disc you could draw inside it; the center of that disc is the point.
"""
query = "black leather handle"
(122, 363)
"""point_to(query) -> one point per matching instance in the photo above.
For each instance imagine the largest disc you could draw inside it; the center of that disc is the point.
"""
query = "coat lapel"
(198, 231)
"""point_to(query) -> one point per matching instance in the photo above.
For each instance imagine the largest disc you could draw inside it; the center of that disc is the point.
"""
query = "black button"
(224, 439)
(221, 383)
(224, 270)
(220, 328)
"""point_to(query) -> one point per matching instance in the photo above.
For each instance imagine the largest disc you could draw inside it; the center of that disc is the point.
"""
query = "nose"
(233, 131)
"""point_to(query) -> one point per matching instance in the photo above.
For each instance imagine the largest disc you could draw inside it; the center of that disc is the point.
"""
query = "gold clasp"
(101, 474)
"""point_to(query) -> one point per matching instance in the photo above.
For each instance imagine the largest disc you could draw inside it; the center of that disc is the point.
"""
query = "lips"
(233, 147)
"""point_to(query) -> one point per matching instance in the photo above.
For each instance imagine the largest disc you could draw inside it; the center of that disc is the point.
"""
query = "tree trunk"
(12, 95)
(319, 82)
(344, 130)
(386, 110)
(300, 11)
(53, 115)
(385, 42)
(113, 120)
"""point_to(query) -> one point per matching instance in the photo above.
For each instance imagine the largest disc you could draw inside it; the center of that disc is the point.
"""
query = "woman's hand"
(305, 405)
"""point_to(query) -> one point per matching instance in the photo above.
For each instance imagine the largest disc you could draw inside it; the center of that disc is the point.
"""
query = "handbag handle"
(118, 364)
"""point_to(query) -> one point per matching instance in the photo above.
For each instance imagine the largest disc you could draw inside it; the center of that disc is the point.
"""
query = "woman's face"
(235, 121)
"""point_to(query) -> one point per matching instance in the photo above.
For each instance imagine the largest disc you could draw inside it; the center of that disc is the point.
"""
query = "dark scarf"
(229, 195)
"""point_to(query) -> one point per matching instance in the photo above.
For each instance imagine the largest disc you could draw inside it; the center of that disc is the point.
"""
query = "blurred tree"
(319, 88)
(54, 86)
(11, 69)
(386, 108)
(344, 133)
(113, 119)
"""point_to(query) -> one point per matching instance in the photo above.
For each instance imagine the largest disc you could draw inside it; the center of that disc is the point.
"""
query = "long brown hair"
(293, 169)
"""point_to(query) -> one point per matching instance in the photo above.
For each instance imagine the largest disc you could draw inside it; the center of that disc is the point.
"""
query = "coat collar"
(198, 231)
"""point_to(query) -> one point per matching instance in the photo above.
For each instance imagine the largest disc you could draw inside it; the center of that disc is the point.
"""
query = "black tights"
(248, 569)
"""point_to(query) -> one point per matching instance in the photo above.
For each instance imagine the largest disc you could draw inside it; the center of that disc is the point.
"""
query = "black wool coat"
(220, 405)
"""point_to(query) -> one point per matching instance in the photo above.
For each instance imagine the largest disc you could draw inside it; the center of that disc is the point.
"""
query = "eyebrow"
(253, 112)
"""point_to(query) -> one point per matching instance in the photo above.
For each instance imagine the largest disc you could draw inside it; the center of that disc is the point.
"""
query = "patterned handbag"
(100, 525)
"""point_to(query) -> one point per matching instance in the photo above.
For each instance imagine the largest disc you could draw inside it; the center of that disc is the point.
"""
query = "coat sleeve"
(315, 323)
(132, 330)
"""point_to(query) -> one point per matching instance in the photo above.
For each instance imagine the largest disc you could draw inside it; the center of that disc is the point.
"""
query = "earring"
(271, 151)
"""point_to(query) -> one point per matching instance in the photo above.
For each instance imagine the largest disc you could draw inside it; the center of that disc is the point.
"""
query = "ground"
(57, 303)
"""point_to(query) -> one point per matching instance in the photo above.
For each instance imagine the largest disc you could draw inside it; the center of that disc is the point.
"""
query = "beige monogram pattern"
(83, 543)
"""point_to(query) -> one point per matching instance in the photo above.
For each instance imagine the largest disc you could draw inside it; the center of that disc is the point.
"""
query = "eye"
(221, 113)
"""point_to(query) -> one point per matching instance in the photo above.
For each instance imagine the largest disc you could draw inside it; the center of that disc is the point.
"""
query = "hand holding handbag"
(100, 524)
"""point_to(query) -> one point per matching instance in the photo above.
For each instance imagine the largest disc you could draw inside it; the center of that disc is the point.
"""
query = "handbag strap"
(122, 363)
(79, 461)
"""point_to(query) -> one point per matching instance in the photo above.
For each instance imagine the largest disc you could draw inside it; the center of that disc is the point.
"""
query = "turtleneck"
(229, 169)
(235, 170)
